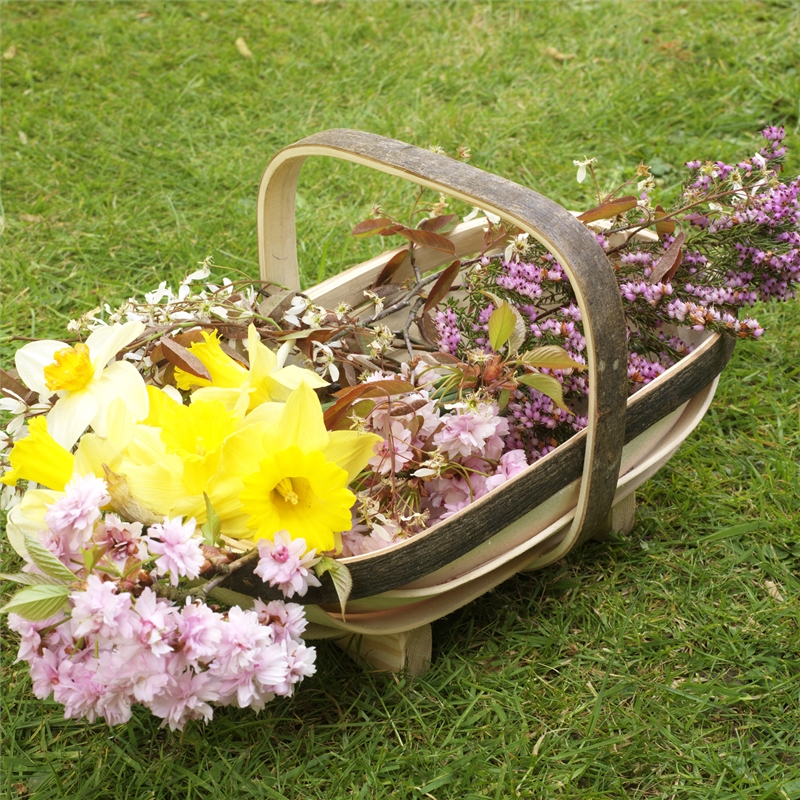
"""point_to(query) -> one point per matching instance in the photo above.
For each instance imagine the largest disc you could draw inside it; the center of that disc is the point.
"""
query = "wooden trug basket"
(583, 489)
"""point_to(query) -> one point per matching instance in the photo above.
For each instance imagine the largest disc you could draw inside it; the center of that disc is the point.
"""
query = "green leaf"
(546, 384)
(37, 602)
(503, 398)
(551, 356)
(501, 325)
(46, 561)
(29, 579)
(212, 526)
(519, 333)
(340, 575)
(16, 539)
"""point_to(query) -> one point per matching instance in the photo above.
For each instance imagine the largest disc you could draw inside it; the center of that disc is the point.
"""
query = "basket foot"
(621, 518)
(396, 652)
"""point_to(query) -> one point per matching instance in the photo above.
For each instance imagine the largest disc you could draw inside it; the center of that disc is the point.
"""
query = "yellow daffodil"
(83, 380)
(240, 388)
(40, 458)
(295, 476)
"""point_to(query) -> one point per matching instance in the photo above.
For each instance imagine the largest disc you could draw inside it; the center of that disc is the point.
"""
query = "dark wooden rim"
(455, 537)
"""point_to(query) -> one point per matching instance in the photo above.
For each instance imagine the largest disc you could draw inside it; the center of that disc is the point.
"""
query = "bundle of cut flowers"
(170, 441)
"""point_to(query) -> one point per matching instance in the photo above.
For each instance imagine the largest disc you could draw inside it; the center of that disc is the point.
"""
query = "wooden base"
(621, 518)
(409, 651)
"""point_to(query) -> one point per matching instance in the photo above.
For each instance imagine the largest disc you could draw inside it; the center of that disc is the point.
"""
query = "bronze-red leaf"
(429, 239)
(391, 266)
(664, 227)
(442, 286)
(371, 227)
(180, 357)
(668, 264)
(437, 223)
(610, 208)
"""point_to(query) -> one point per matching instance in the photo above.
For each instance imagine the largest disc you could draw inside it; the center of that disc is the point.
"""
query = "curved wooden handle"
(574, 247)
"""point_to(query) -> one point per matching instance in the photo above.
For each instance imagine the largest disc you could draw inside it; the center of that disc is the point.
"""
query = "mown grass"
(662, 664)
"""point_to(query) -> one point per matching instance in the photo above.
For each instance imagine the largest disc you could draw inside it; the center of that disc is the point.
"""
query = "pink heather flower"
(199, 632)
(187, 699)
(123, 540)
(101, 612)
(287, 620)
(473, 432)
(283, 564)
(179, 552)
(72, 517)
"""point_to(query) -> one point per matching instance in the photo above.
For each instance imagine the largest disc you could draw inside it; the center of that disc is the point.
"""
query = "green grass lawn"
(662, 664)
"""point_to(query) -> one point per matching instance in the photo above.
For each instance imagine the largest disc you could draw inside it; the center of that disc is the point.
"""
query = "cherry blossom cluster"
(122, 639)
(435, 459)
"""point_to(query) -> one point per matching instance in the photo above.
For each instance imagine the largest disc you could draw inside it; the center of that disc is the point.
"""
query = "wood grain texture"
(434, 549)
(575, 247)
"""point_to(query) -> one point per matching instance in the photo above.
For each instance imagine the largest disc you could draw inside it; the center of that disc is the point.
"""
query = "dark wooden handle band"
(567, 239)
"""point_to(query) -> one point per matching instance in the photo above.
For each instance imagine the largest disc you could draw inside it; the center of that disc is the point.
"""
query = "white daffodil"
(83, 380)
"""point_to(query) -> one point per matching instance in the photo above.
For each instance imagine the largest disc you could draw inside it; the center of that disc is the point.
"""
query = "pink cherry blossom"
(287, 620)
(285, 563)
(187, 699)
(101, 611)
(177, 547)
(473, 432)
(71, 518)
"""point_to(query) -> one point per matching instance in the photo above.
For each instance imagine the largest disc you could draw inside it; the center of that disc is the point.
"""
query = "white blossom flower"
(297, 308)
(581, 165)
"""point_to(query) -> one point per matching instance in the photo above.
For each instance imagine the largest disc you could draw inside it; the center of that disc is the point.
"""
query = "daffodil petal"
(282, 382)
(230, 398)
(157, 487)
(31, 360)
(350, 450)
(28, 518)
(105, 343)
(38, 457)
(70, 417)
(94, 451)
(242, 451)
(301, 424)
(262, 359)
(120, 380)
(159, 401)
(265, 414)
